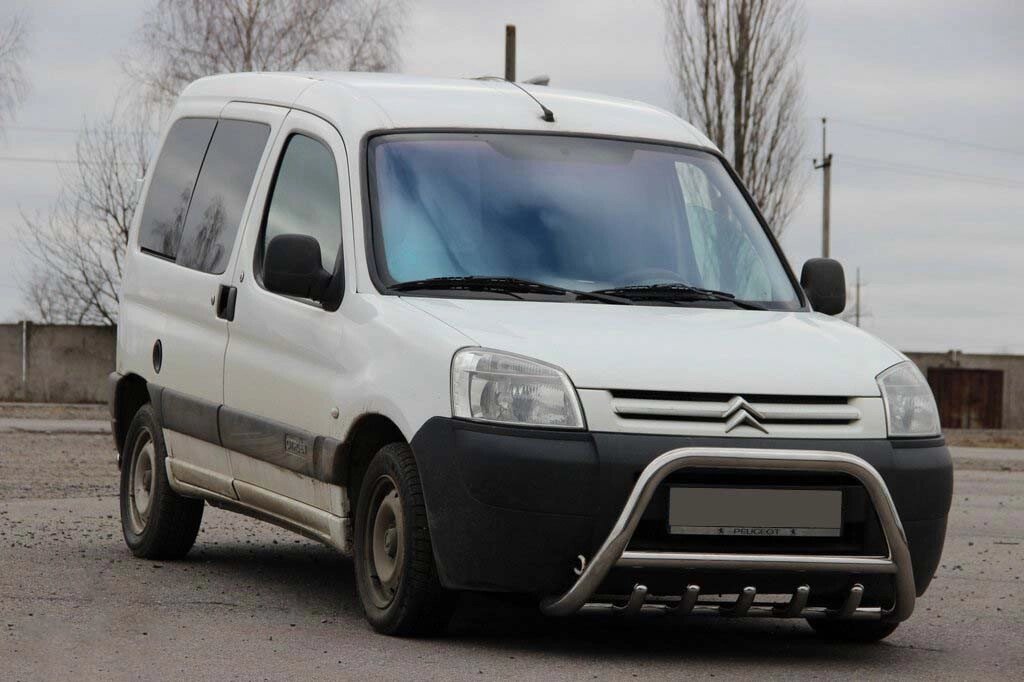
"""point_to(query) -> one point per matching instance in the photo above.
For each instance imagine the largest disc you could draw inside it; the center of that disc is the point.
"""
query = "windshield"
(575, 212)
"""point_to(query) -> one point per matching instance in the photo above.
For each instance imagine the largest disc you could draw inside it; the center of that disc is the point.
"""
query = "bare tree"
(183, 40)
(736, 74)
(13, 48)
(76, 251)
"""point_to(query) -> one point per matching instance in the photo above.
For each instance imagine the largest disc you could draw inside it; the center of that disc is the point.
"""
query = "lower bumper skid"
(613, 552)
(744, 606)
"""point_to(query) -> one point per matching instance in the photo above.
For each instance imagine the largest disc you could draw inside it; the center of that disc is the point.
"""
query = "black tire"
(411, 602)
(168, 525)
(861, 631)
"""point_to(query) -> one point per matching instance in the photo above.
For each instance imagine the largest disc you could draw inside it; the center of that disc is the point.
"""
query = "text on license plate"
(756, 512)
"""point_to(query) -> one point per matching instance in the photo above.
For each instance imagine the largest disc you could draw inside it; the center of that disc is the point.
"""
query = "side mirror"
(825, 285)
(292, 267)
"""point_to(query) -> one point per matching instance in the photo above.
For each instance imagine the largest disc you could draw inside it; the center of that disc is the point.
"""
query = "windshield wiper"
(504, 285)
(678, 291)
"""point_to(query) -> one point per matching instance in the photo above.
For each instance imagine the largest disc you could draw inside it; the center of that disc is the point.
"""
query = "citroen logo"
(739, 412)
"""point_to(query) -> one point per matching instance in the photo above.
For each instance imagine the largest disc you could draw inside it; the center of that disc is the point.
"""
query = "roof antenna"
(546, 114)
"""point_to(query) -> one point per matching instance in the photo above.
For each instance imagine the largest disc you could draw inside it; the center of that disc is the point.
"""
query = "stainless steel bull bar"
(613, 551)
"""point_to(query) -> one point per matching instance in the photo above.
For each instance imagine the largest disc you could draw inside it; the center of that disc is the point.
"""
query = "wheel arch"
(368, 434)
(128, 393)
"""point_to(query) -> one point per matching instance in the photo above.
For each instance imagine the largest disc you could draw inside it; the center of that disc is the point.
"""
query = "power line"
(72, 162)
(41, 129)
(928, 136)
(77, 131)
(937, 175)
(927, 171)
(35, 159)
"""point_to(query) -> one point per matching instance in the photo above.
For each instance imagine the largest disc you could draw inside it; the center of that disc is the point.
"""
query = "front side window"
(305, 198)
(220, 196)
(174, 178)
(574, 212)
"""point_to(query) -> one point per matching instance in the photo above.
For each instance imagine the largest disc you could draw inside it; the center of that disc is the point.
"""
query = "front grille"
(722, 414)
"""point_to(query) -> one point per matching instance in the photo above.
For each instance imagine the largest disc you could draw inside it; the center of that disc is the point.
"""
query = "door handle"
(226, 296)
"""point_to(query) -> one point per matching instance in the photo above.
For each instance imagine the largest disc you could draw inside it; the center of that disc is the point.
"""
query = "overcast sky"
(937, 228)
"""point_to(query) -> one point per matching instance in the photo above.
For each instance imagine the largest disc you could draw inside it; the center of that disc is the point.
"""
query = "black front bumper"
(510, 509)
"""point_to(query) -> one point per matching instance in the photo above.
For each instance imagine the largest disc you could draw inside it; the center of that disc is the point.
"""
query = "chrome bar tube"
(613, 550)
(796, 605)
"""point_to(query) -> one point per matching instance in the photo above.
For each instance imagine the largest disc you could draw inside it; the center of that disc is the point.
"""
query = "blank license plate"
(755, 512)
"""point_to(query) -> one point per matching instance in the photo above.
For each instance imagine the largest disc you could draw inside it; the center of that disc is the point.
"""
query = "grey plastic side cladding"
(298, 450)
(295, 449)
(113, 404)
(155, 399)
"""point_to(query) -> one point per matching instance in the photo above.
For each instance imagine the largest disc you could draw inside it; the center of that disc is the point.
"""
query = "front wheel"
(394, 561)
(863, 631)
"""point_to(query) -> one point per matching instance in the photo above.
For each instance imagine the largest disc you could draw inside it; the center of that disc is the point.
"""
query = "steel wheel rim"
(384, 540)
(142, 483)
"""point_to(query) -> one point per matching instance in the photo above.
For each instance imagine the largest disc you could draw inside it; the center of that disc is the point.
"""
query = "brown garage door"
(968, 398)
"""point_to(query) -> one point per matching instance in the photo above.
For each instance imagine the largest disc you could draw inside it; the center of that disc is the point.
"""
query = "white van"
(484, 336)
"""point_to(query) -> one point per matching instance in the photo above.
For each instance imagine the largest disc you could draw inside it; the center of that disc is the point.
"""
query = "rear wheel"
(157, 522)
(852, 630)
(394, 561)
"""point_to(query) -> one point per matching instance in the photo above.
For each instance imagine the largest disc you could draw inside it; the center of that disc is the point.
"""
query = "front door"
(285, 355)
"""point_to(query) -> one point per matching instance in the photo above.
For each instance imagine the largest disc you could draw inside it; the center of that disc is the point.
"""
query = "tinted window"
(726, 255)
(579, 213)
(305, 198)
(173, 181)
(220, 195)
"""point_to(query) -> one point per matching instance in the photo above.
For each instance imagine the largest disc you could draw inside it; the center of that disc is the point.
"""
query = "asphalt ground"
(255, 602)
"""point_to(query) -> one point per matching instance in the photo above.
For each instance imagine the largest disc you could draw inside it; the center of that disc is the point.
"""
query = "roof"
(380, 101)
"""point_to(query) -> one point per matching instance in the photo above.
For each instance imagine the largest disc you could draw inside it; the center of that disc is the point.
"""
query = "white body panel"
(175, 306)
(294, 363)
(665, 348)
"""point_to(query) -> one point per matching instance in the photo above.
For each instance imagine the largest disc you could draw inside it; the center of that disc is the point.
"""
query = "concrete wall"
(10, 361)
(55, 363)
(1012, 367)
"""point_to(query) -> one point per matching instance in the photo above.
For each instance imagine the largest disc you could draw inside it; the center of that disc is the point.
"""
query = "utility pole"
(510, 52)
(826, 167)
(857, 308)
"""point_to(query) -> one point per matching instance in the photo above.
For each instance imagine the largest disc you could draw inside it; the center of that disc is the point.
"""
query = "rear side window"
(305, 198)
(173, 181)
(220, 195)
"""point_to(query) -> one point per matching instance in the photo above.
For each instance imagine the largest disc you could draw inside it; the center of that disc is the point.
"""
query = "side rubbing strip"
(329, 460)
(266, 440)
(297, 450)
(279, 444)
(155, 399)
(188, 415)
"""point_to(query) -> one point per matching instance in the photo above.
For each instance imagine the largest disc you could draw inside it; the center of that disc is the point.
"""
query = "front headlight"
(493, 386)
(909, 405)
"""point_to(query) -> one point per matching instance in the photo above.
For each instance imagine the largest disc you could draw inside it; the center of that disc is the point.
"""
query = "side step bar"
(613, 552)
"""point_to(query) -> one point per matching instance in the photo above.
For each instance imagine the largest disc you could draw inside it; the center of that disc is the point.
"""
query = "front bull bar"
(613, 552)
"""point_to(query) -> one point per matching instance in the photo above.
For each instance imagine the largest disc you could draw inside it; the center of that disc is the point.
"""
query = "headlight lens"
(502, 387)
(909, 405)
